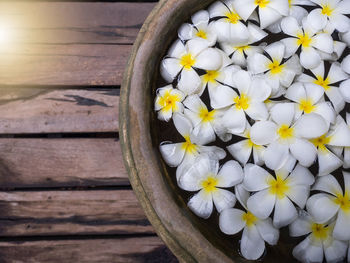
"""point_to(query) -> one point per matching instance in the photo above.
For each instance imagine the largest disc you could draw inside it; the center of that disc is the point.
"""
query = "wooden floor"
(64, 193)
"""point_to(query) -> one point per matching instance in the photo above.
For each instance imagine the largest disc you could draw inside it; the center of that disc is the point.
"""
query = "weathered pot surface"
(187, 236)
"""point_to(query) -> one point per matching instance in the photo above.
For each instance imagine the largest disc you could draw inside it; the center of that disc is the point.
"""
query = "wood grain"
(61, 163)
(31, 110)
(74, 23)
(124, 250)
(63, 64)
(71, 213)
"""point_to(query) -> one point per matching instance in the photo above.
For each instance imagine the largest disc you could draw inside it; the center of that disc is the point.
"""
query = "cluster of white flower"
(275, 74)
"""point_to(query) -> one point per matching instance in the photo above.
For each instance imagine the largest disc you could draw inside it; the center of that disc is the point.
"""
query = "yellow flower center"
(327, 10)
(232, 17)
(275, 67)
(324, 83)
(168, 101)
(187, 61)
(188, 146)
(290, 3)
(206, 116)
(321, 142)
(279, 187)
(262, 3)
(249, 218)
(211, 76)
(285, 132)
(306, 106)
(343, 201)
(304, 40)
(319, 231)
(209, 184)
(201, 34)
(242, 48)
(242, 102)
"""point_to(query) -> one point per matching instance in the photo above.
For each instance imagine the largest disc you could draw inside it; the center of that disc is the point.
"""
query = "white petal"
(344, 89)
(281, 6)
(194, 117)
(306, 78)
(345, 65)
(169, 68)
(213, 151)
(305, 251)
(258, 63)
(321, 207)
(323, 42)
(298, 13)
(256, 33)
(201, 204)
(268, 16)
(340, 136)
(201, 17)
(299, 195)
(182, 124)
(285, 212)
(209, 59)
(334, 95)
(177, 49)
(340, 22)
(242, 81)
(276, 155)
(283, 113)
(186, 32)
(223, 199)
(230, 174)
(326, 110)
(310, 126)
(217, 9)
(194, 103)
(317, 19)
(296, 92)
(300, 176)
(196, 45)
(267, 231)
(336, 73)
(261, 203)
(347, 157)
(336, 252)
(238, 58)
(189, 81)
(244, 8)
(221, 96)
(204, 133)
(314, 92)
(255, 178)
(276, 51)
(327, 162)
(242, 195)
(301, 226)
(252, 244)
(257, 111)
(234, 120)
(343, 7)
(291, 45)
(290, 26)
(309, 58)
(241, 151)
(231, 222)
(172, 153)
(304, 151)
(263, 132)
(346, 176)
(287, 77)
(342, 226)
(258, 155)
(259, 90)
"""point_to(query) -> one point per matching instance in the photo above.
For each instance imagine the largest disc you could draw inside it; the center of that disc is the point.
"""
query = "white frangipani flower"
(309, 99)
(168, 101)
(229, 27)
(255, 231)
(240, 51)
(204, 176)
(283, 135)
(335, 75)
(205, 123)
(184, 58)
(338, 136)
(243, 149)
(277, 192)
(332, 10)
(201, 28)
(309, 39)
(270, 11)
(175, 154)
(319, 243)
(253, 91)
(333, 201)
(277, 72)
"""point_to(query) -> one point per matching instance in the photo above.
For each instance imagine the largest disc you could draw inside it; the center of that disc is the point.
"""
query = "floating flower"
(277, 192)
(255, 231)
(229, 26)
(332, 202)
(309, 39)
(184, 58)
(339, 136)
(204, 176)
(327, 81)
(309, 99)
(201, 28)
(284, 135)
(269, 11)
(253, 91)
(277, 72)
(175, 154)
(240, 51)
(319, 243)
(243, 149)
(333, 11)
(168, 101)
(206, 123)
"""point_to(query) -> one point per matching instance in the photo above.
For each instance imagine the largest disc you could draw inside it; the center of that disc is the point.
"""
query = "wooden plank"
(63, 64)
(67, 23)
(124, 250)
(27, 110)
(71, 213)
(61, 163)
